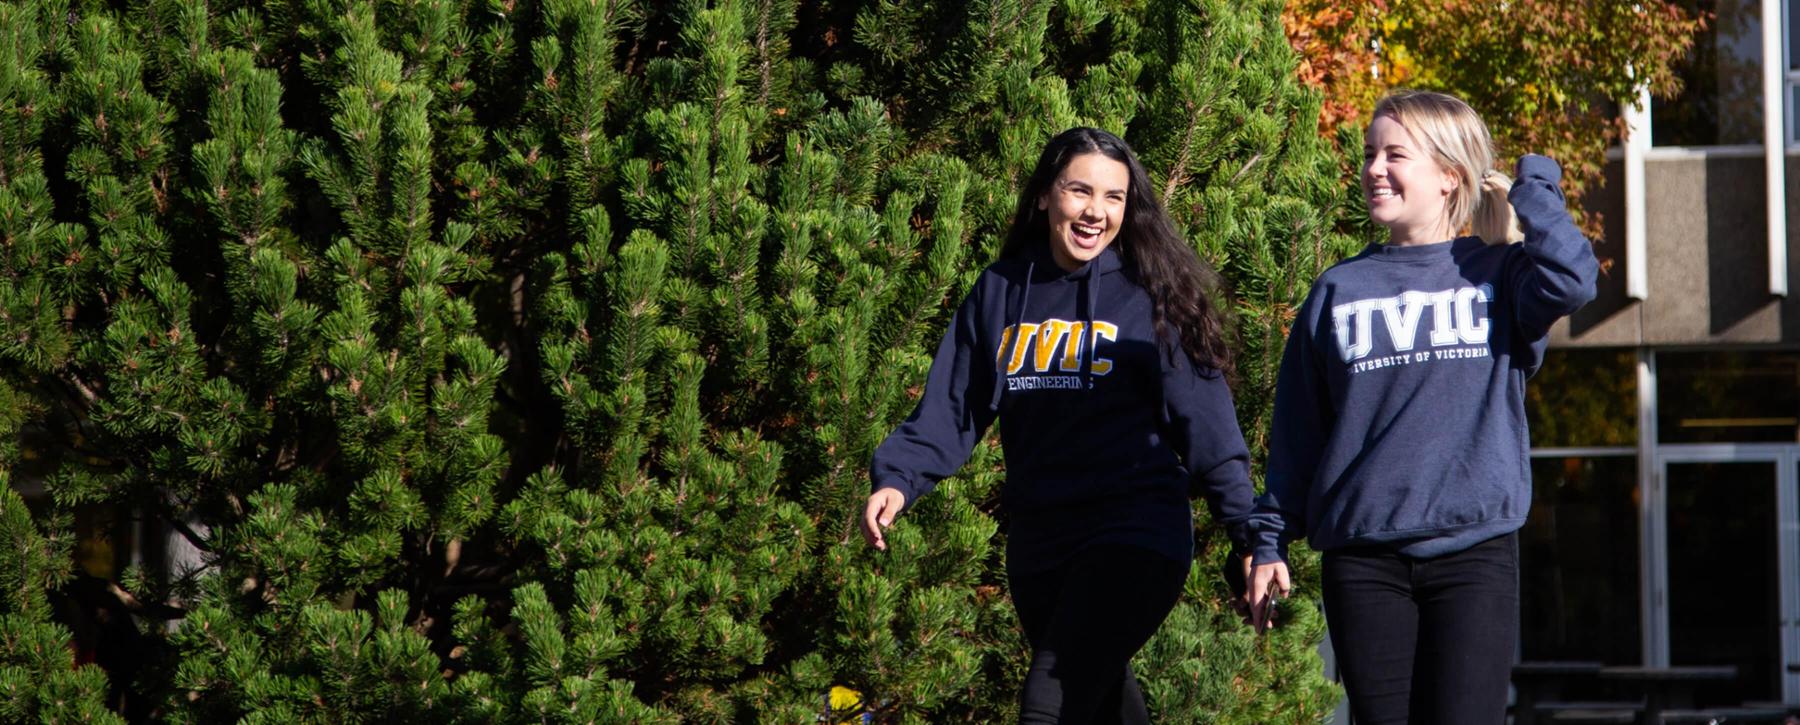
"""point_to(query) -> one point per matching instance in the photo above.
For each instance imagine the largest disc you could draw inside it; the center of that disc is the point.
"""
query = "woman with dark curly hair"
(1093, 340)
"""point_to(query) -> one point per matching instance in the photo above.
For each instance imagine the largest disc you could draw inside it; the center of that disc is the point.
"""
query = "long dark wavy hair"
(1155, 255)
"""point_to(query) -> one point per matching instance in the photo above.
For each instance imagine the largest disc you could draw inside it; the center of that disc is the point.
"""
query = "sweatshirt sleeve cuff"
(1537, 199)
(1534, 166)
(1243, 539)
(1268, 554)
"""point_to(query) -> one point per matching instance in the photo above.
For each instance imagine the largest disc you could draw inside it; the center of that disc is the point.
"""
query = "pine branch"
(73, 380)
(765, 65)
(160, 610)
(193, 537)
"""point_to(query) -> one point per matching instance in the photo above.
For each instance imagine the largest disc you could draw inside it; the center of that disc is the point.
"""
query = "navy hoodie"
(1400, 405)
(1106, 430)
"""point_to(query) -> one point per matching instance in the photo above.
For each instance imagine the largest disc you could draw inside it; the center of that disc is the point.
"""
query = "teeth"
(1083, 229)
(1382, 193)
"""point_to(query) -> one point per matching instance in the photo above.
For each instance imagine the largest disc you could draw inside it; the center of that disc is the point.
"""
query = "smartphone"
(1268, 606)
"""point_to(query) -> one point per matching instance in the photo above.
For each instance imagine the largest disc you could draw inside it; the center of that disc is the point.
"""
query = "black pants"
(1085, 620)
(1425, 641)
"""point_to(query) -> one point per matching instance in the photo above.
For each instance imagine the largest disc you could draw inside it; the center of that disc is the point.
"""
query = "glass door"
(1790, 580)
(1722, 581)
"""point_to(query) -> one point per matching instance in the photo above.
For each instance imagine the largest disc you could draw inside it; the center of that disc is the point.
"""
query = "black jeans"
(1425, 641)
(1085, 620)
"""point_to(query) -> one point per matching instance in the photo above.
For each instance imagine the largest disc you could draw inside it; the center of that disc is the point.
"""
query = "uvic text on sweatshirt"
(1106, 430)
(1400, 403)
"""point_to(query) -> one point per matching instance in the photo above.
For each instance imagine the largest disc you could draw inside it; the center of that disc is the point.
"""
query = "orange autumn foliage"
(1546, 74)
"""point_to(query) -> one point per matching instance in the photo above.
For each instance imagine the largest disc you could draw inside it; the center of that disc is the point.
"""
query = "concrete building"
(1666, 424)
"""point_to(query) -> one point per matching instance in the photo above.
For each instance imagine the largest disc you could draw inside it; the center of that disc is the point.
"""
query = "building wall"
(1708, 259)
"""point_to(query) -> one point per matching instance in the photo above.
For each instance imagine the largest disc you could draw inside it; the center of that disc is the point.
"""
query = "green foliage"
(1261, 203)
(522, 361)
(38, 675)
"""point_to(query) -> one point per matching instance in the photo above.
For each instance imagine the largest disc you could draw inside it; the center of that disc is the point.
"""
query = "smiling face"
(1407, 190)
(1086, 205)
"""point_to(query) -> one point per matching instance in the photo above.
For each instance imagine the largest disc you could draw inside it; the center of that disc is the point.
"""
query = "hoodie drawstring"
(1092, 283)
(1014, 317)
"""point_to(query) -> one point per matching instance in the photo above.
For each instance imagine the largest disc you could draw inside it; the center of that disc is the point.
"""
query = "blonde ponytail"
(1494, 219)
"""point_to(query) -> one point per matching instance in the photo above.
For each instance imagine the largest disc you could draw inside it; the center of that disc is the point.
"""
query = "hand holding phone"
(1271, 581)
(1265, 616)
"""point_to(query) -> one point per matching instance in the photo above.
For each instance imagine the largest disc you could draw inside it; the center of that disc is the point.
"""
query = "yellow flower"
(842, 699)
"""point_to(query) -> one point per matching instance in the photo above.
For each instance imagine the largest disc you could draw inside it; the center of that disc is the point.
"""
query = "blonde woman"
(1399, 441)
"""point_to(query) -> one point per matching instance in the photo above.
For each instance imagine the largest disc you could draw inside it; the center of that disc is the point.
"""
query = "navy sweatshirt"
(1400, 404)
(1106, 430)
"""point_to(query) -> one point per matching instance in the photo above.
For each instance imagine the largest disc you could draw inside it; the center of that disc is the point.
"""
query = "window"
(1578, 562)
(1579, 550)
(1731, 396)
(1720, 103)
(1792, 67)
(1583, 398)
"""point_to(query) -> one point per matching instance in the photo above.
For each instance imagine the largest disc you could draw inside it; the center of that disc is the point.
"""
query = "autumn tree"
(1547, 75)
